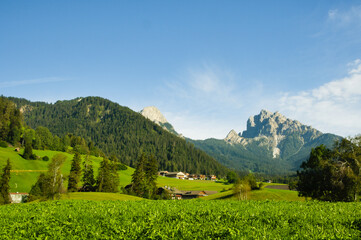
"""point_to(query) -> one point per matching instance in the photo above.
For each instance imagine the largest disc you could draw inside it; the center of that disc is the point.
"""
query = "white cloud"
(30, 82)
(333, 107)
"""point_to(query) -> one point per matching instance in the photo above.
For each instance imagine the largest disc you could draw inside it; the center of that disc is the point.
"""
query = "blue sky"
(207, 65)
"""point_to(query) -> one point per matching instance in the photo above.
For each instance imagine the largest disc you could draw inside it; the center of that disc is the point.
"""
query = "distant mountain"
(272, 144)
(118, 130)
(154, 115)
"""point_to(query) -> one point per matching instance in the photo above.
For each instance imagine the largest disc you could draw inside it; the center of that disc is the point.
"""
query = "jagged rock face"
(274, 130)
(271, 124)
(233, 137)
(153, 114)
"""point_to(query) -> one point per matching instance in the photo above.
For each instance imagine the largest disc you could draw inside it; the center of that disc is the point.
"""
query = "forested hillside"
(119, 130)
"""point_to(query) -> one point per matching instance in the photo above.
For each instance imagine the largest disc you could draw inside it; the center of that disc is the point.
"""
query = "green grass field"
(80, 219)
(99, 196)
(25, 173)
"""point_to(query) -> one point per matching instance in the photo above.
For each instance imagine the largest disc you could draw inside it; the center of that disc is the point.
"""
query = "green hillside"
(24, 172)
(118, 130)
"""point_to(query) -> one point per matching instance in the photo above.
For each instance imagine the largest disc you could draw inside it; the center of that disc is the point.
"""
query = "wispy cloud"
(347, 17)
(333, 107)
(8, 84)
(207, 85)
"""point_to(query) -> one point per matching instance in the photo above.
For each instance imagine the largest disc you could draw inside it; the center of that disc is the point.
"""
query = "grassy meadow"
(194, 219)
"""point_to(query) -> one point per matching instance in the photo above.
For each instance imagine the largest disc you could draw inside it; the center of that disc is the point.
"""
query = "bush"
(45, 158)
(3, 144)
(121, 166)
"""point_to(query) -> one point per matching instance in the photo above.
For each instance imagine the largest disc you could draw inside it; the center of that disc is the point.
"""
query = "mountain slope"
(117, 129)
(272, 144)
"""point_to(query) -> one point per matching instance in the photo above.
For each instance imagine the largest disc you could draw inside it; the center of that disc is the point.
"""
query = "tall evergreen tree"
(108, 178)
(151, 174)
(88, 176)
(5, 184)
(75, 173)
(139, 182)
(28, 151)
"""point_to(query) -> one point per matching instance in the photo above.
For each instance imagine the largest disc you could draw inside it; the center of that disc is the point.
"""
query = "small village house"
(178, 175)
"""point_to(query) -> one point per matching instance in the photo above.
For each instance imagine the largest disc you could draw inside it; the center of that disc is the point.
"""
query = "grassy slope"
(193, 185)
(98, 196)
(263, 194)
(21, 181)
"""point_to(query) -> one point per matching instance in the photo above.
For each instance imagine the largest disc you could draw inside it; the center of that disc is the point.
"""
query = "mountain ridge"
(272, 143)
(118, 130)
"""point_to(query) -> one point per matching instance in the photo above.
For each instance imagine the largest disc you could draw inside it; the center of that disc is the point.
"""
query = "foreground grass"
(180, 220)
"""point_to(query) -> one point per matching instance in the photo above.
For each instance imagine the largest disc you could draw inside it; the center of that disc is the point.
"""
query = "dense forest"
(118, 130)
(14, 131)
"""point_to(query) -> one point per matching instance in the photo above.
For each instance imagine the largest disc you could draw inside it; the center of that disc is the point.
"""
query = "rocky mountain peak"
(273, 130)
(153, 114)
(271, 124)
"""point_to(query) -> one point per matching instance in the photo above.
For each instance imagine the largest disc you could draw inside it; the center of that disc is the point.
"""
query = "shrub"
(45, 158)
(3, 144)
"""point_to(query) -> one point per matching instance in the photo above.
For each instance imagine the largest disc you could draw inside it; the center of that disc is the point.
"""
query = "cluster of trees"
(42, 139)
(10, 122)
(144, 177)
(5, 184)
(332, 174)
(118, 130)
(243, 184)
(51, 184)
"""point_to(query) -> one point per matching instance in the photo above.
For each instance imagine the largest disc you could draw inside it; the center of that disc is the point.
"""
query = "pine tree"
(108, 178)
(4, 184)
(75, 173)
(88, 176)
(151, 174)
(28, 151)
(139, 183)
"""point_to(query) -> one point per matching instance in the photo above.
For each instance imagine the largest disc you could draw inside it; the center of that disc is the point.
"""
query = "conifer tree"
(88, 176)
(75, 173)
(139, 183)
(28, 151)
(151, 174)
(108, 178)
(4, 184)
